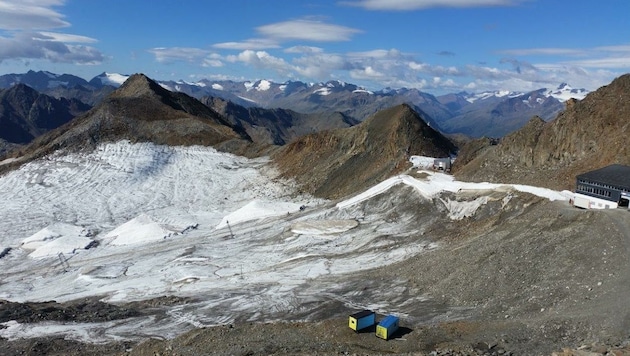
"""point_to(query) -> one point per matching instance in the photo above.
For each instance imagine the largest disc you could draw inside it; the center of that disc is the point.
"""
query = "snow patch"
(141, 229)
(217, 86)
(113, 79)
(56, 238)
(322, 91)
(438, 182)
(247, 99)
(457, 210)
(263, 85)
(256, 210)
(422, 161)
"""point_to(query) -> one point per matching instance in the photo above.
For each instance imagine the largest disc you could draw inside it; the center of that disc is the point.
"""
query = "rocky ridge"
(589, 134)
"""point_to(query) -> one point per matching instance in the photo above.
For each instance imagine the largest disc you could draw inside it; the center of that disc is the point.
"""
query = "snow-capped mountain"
(41, 81)
(349, 99)
(472, 97)
(111, 79)
(565, 92)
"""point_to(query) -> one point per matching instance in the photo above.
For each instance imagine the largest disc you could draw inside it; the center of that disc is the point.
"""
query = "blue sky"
(437, 46)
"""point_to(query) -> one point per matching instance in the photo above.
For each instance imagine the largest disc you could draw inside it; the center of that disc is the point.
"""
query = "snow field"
(161, 215)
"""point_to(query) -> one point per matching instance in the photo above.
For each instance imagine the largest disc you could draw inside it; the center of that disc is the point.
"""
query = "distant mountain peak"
(565, 92)
(471, 98)
(111, 79)
(139, 85)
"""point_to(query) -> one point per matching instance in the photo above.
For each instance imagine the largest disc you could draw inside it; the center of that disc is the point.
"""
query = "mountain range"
(145, 110)
(492, 114)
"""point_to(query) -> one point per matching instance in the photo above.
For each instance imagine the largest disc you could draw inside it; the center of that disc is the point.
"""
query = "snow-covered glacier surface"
(132, 222)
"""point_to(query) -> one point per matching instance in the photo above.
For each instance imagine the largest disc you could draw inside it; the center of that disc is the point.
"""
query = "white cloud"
(31, 15)
(608, 62)
(22, 43)
(320, 66)
(261, 59)
(211, 62)
(202, 57)
(176, 54)
(65, 37)
(378, 54)
(251, 44)
(28, 46)
(367, 73)
(403, 5)
(304, 50)
(307, 30)
(543, 51)
(620, 48)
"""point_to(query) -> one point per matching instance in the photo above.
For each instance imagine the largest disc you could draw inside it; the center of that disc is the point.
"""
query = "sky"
(437, 46)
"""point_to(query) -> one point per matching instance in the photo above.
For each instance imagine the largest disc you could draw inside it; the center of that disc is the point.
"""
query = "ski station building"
(604, 188)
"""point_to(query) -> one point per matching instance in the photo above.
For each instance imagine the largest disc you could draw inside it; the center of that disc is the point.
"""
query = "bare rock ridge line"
(276, 126)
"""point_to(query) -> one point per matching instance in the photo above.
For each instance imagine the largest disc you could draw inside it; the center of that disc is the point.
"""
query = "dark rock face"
(26, 114)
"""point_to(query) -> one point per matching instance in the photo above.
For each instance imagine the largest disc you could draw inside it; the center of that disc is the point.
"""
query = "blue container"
(361, 320)
(387, 327)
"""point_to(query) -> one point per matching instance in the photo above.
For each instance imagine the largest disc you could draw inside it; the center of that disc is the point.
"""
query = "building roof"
(361, 314)
(616, 175)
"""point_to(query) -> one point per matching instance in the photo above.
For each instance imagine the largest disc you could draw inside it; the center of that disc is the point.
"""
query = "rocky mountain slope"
(338, 162)
(140, 110)
(500, 272)
(589, 134)
(26, 114)
(276, 126)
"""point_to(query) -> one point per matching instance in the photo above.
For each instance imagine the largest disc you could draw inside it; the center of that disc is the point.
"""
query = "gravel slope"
(522, 276)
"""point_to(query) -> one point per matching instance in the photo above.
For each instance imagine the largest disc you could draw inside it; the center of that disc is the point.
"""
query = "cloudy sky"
(437, 46)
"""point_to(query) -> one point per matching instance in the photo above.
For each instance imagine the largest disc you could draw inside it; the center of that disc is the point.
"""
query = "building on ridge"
(604, 188)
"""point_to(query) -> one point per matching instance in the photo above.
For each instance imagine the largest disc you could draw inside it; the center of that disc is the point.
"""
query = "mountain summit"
(142, 111)
(336, 163)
